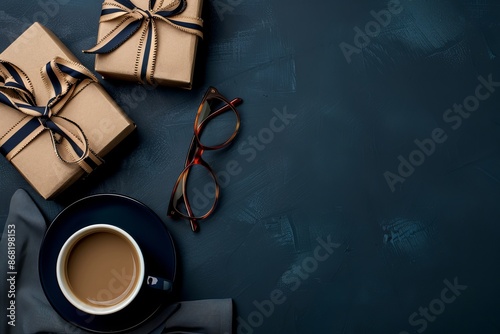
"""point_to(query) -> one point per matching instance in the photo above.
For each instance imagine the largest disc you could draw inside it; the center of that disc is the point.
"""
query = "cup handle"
(158, 283)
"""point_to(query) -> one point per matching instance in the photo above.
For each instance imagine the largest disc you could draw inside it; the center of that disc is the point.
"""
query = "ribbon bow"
(61, 77)
(129, 19)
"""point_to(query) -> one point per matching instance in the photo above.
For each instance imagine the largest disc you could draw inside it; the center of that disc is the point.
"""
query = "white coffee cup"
(100, 270)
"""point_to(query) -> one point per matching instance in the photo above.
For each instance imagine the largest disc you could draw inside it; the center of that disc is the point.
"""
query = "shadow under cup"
(100, 269)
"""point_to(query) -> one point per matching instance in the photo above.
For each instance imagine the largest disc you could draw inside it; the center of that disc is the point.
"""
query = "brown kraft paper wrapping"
(100, 118)
(175, 53)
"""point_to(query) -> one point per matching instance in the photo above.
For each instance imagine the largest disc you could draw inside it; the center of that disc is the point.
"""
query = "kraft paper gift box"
(85, 112)
(149, 41)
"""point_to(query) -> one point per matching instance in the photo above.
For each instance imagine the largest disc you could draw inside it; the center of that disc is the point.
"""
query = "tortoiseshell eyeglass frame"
(194, 156)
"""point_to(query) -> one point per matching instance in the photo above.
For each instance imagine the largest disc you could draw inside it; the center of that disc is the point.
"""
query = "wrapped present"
(149, 41)
(57, 122)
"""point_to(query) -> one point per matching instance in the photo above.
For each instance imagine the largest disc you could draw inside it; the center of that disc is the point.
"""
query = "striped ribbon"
(61, 77)
(130, 19)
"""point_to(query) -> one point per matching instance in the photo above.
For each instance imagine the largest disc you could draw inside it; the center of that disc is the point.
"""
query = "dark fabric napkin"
(34, 314)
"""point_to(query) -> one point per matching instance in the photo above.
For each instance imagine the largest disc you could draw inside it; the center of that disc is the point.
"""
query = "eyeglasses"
(216, 125)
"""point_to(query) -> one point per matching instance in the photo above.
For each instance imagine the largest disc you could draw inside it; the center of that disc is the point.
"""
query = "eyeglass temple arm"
(192, 222)
(179, 195)
(234, 102)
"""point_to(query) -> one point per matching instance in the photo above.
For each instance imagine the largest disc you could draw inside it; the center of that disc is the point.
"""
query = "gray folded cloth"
(27, 310)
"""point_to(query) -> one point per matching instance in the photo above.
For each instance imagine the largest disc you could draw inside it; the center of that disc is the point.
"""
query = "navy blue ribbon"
(16, 91)
(129, 19)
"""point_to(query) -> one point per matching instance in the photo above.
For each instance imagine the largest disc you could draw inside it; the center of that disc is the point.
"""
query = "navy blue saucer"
(143, 225)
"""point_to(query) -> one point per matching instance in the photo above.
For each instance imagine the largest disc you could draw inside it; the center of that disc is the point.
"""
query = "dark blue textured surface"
(322, 173)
